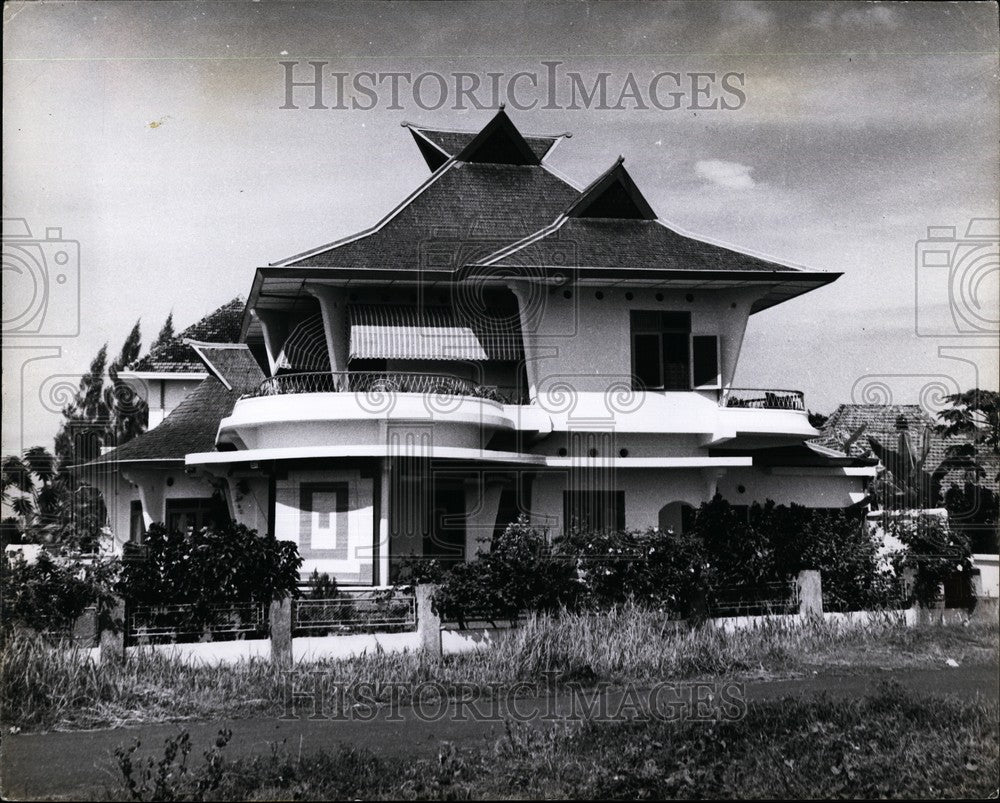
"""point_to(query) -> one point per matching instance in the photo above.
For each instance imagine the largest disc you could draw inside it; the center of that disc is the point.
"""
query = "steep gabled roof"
(611, 225)
(438, 145)
(464, 212)
(194, 423)
(176, 356)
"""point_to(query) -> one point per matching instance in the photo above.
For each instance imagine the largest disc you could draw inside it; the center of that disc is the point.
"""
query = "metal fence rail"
(376, 382)
(763, 399)
(179, 620)
(356, 612)
(755, 600)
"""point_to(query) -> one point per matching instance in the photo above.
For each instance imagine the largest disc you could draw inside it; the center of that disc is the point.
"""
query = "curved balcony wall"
(367, 409)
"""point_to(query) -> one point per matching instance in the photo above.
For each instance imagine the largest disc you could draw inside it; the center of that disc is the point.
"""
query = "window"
(137, 525)
(665, 356)
(186, 515)
(594, 510)
(705, 361)
(661, 350)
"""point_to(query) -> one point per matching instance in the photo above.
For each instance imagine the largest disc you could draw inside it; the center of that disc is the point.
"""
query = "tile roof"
(175, 356)
(453, 142)
(194, 423)
(627, 243)
(879, 421)
(467, 212)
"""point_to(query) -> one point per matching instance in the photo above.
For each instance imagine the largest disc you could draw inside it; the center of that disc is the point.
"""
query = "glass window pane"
(675, 362)
(646, 356)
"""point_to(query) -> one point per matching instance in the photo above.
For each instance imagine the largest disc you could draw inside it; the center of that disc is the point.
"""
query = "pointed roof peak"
(504, 143)
(613, 195)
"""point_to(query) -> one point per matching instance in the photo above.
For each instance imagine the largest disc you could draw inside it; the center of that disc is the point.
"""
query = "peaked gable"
(499, 143)
(176, 356)
(613, 195)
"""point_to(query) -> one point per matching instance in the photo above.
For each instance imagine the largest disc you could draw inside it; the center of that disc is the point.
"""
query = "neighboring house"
(502, 342)
(172, 370)
(890, 432)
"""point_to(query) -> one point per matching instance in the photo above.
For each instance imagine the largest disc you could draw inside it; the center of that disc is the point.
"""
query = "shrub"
(519, 573)
(225, 564)
(664, 570)
(935, 554)
(50, 594)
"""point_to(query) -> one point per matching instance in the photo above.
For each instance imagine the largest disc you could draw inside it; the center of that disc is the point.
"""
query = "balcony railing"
(380, 382)
(760, 399)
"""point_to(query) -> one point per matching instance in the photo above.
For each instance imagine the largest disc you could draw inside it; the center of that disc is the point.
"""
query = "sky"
(152, 134)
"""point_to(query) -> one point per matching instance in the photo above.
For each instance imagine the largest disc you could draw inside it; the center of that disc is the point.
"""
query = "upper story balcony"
(376, 383)
(762, 399)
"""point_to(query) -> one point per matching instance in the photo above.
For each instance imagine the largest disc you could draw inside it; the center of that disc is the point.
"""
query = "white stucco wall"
(341, 545)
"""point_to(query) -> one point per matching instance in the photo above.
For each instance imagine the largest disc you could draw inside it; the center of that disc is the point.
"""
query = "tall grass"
(45, 686)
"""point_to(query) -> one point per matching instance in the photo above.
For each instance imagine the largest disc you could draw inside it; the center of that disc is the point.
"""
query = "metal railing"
(762, 399)
(179, 620)
(755, 600)
(376, 382)
(356, 612)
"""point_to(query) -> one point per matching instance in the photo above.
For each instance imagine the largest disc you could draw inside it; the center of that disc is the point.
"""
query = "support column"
(382, 555)
(482, 503)
(275, 327)
(336, 327)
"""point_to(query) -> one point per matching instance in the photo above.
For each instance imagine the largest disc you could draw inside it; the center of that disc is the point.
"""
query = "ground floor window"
(594, 510)
(137, 524)
(191, 515)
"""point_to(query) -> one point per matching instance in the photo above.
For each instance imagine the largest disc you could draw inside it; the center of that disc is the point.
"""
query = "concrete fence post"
(281, 632)
(428, 622)
(112, 638)
(810, 585)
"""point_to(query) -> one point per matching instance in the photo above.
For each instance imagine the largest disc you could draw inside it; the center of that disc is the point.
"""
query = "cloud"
(726, 174)
(871, 16)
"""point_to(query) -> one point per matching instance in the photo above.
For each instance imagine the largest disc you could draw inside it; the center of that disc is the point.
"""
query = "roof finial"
(503, 106)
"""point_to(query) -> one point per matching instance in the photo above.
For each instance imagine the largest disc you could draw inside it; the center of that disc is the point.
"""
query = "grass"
(44, 687)
(885, 745)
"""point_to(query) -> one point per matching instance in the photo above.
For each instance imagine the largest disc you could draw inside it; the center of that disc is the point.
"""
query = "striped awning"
(305, 348)
(430, 333)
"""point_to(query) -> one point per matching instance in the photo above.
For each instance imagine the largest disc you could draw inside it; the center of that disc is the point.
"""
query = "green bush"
(50, 594)
(935, 554)
(519, 573)
(215, 565)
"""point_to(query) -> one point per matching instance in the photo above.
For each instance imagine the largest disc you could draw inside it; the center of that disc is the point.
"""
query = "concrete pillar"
(428, 623)
(275, 328)
(281, 633)
(112, 636)
(333, 307)
(810, 592)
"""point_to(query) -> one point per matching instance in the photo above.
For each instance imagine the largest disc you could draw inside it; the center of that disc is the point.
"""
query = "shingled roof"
(194, 423)
(612, 225)
(881, 428)
(463, 213)
(437, 145)
(176, 356)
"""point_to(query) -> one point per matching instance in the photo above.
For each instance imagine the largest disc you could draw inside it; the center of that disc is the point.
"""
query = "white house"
(502, 342)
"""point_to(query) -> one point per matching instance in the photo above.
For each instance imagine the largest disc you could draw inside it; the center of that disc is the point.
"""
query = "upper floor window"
(665, 356)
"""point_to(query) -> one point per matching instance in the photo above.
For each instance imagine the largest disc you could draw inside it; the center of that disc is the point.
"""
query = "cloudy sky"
(153, 135)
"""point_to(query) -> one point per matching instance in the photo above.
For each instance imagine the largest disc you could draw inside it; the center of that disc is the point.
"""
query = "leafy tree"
(86, 416)
(166, 332)
(33, 490)
(128, 410)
